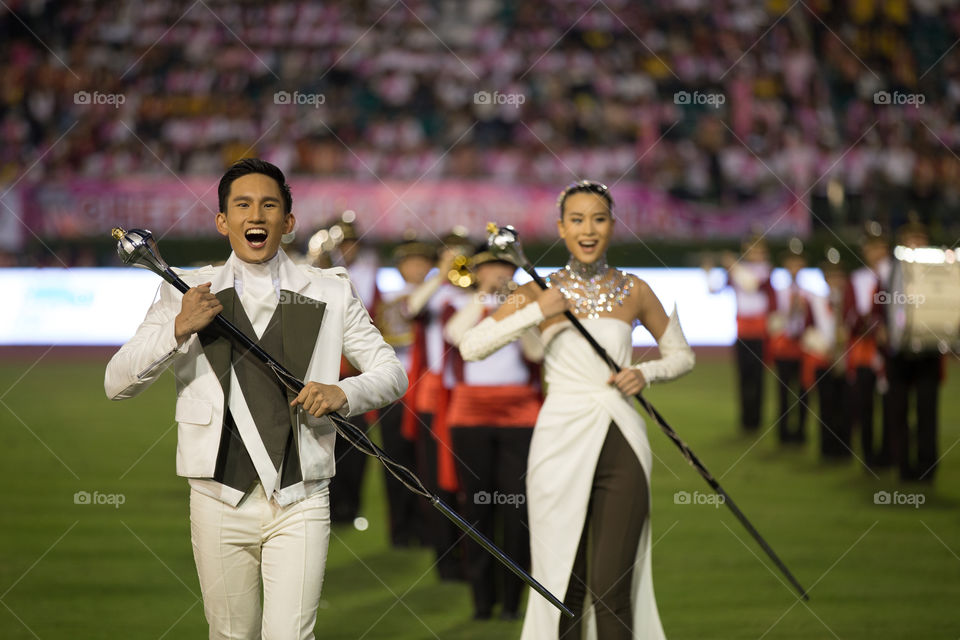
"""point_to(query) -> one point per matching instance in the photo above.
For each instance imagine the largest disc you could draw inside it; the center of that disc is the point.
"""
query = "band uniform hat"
(483, 255)
(347, 225)
(413, 246)
(459, 240)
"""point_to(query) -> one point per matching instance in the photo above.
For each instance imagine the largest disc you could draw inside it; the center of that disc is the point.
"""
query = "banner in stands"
(169, 207)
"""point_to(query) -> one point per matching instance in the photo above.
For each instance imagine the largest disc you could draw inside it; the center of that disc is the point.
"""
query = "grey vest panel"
(268, 400)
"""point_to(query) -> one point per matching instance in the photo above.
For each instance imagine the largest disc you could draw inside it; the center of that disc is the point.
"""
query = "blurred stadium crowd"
(714, 101)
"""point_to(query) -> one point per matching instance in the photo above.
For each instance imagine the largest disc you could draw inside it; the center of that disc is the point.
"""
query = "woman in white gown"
(588, 473)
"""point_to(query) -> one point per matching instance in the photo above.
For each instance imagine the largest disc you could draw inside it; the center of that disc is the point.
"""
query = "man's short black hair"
(254, 165)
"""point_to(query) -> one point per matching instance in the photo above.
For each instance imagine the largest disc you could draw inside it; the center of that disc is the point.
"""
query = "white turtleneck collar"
(262, 272)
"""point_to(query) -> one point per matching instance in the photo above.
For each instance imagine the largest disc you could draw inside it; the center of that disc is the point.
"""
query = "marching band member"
(917, 374)
(493, 408)
(258, 456)
(750, 279)
(863, 320)
(434, 451)
(361, 265)
(785, 327)
(823, 371)
(588, 472)
(414, 259)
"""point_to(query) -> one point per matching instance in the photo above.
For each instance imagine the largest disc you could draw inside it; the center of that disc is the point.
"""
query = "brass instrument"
(322, 246)
(461, 272)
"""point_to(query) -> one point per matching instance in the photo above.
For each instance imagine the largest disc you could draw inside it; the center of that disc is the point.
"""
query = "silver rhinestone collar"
(593, 288)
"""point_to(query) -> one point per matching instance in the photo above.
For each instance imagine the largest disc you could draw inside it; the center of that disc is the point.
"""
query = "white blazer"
(344, 328)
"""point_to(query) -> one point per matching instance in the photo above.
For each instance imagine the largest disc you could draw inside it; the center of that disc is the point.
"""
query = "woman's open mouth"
(588, 246)
(256, 237)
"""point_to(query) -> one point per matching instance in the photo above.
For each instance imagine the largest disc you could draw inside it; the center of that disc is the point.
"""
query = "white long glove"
(490, 335)
(463, 320)
(676, 356)
(419, 297)
(468, 317)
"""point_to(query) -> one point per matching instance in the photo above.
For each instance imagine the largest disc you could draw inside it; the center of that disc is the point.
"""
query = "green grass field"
(104, 571)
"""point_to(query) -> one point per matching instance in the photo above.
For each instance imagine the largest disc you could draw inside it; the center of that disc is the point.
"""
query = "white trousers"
(258, 544)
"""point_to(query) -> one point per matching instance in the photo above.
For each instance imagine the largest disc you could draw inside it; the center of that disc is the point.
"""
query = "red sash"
(752, 327)
(785, 348)
(432, 397)
(810, 363)
(862, 353)
(494, 406)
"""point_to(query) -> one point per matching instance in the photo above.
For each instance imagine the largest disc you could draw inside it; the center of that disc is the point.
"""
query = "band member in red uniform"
(863, 319)
(434, 450)
(362, 265)
(823, 370)
(750, 278)
(493, 408)
(414, 259)
(786, 326)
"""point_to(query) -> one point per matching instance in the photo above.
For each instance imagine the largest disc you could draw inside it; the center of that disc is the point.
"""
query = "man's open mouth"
(256, 237)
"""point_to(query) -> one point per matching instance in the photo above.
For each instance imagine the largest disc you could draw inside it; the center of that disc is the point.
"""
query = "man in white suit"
(258, 457)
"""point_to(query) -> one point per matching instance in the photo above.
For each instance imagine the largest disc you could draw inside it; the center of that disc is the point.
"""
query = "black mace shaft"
(138, 248)
(359, 439)
(675, 438)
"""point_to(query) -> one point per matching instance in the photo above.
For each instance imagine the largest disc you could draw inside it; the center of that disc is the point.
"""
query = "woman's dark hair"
(246, 167)
(585, 186)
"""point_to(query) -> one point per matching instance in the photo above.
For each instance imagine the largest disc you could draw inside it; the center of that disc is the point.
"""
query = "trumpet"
(321, 245)
(460, 273)
(324, 243)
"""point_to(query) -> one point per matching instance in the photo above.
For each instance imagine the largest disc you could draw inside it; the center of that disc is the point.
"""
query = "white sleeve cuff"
(420, 296)
(462, 321)
(490, 335)
(170, 348)
(676, 356)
